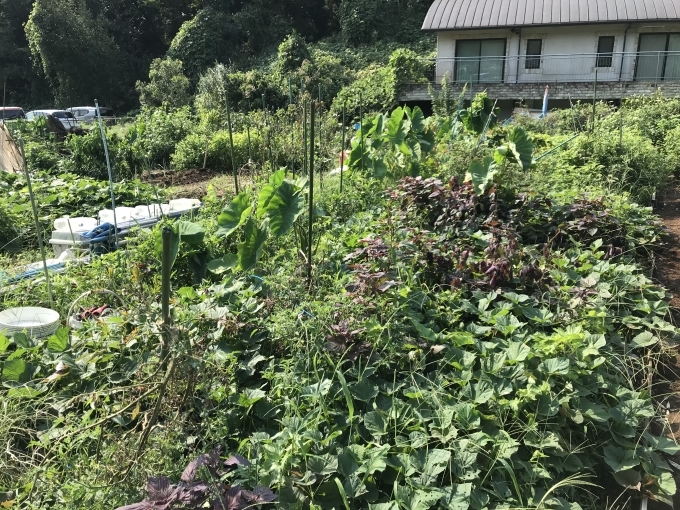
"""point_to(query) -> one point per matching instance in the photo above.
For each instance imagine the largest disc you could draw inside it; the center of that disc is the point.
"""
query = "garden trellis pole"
(304, 134)
(342, 148)
(292, 126)
(37, 222)
(166, 269)
(4, 97)
(592, 125)
(231, 146)
(361, 130)
(311, 192)
(108, 167)
(269, 133)
(321, 166)
(250, 154)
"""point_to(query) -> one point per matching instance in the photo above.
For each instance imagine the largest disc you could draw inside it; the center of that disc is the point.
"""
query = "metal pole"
(320, 167)
(37, 223)
(4, 97)
(361, 130)
(166, 268)
(621, 118)
(342, 148)
(250, 154)
(231, 146)
(311, 193)
(292, 126)
(304, 135)
(592, 127)
(108, 166)
(269, 134)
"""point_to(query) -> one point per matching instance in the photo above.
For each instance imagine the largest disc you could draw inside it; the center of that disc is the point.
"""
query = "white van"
(66, 118)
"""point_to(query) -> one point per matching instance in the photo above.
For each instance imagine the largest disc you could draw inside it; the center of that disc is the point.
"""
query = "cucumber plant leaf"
(221, 265)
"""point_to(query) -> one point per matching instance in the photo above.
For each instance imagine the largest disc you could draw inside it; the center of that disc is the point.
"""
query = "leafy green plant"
(392, 145)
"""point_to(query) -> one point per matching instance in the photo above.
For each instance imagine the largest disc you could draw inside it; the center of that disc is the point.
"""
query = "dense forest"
(67, 52)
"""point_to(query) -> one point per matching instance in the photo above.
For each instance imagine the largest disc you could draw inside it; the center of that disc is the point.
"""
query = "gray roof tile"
(469, 14)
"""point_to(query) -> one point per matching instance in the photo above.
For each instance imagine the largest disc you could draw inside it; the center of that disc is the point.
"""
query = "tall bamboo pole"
(311, 193)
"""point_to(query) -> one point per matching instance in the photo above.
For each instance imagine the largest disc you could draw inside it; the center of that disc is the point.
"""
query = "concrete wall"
(565, 50)
(531, 91)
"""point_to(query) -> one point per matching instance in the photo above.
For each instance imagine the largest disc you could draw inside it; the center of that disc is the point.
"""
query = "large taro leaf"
(417, 120)
(190, 233)
(268, 191)
(397, 127)
(234, 215)
(284, 208)
(482, 174)
(250, 249)
(521, 147)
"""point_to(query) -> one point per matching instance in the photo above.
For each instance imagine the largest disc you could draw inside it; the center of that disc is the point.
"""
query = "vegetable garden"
(465, 316)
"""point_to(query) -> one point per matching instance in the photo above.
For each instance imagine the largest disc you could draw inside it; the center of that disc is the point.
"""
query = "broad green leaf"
(437, 461)
(234, 215)
(595, 412)
(521, 146)
(250, 249)
(456, 497)
(554, 366)
(317, 390)
(628, 478)
(284, 208)
(375, 462)
(644, 339)
(59, 341)
(364, 391)
(479, 393)
(517, 351)
(190, 233)
(322, 464)
(417, 120)
(467, 416)
(397, 127)
(661, 443)
(619, 459)
(219, 266)
(424, 332)
(277, 177)
(666, 483)
(482, 174)
(4, 343)
(249, 396)
(375, 423)
(15, 370)
(384, 506)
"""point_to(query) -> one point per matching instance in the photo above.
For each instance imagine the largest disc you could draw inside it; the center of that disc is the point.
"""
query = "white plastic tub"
(147, 211)
(80, 224)
(122, 214)
(184, 204)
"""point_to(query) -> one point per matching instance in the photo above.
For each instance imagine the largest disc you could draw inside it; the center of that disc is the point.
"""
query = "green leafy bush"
(671, 147)
(190, 152)
(292, 53)
(634, 166)
(167, 85)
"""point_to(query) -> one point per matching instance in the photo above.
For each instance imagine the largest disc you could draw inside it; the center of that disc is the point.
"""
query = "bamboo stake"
(320, 140)
(166, 268)
(361, 130)
(292, 126)
(37, 222)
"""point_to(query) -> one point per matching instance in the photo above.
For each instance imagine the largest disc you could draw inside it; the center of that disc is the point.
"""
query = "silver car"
(88, 114)
(66, 118)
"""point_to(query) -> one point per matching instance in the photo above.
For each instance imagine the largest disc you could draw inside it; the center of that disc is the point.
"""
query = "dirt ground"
(194, 183)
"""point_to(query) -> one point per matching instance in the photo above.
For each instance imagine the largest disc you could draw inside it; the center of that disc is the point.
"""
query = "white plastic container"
(122, 214)
(184, 204)
(147, 211)
(80, 224)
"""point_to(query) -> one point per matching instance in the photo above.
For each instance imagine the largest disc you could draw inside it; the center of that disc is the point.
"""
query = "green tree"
(76, 54)
(292, 53)
(167, 85)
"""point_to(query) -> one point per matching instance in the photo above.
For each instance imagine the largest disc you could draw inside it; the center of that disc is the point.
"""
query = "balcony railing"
(654, 66)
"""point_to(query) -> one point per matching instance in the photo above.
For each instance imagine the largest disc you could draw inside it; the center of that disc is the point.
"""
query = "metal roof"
(471, 14)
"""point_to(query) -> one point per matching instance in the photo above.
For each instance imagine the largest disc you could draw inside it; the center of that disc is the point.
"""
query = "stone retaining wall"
(526, 91)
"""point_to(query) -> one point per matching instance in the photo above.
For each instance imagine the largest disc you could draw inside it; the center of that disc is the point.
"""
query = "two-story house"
(514, 48)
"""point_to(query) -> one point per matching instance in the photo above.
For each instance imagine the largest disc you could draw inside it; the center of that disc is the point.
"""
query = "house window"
(658, 57)
(480, 60)
(605, 51)
(533, 60)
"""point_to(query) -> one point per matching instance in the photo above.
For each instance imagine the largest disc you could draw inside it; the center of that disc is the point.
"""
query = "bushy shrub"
(408, 66)
(41, 155)
(167, 85)
(633, 166)
(155, 134)
(190, 152)
(292, 53)
(323, 69)
(653, 115)
(671, 148)
(375, 86)
(9, 232)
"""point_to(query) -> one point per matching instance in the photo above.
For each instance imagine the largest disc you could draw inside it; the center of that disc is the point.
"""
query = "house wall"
(568, 51)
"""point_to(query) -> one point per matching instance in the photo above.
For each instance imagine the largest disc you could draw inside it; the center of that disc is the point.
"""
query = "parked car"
(11, 113)
(89, 113)
(66, 118)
